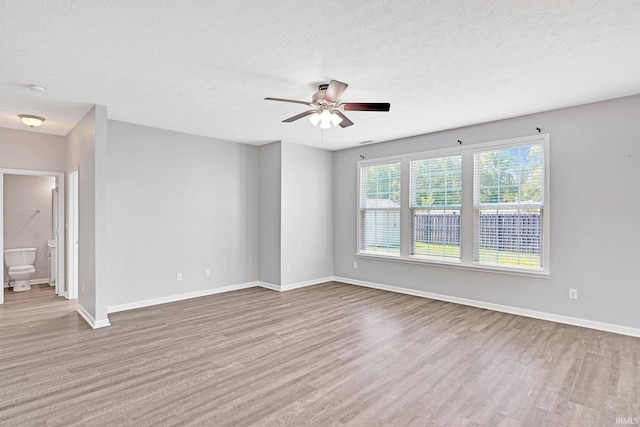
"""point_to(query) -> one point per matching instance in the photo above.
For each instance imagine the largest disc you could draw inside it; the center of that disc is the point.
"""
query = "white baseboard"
(283, 288)
(268, 285)
(95, 324)
(205, 292)
(601, 326)
(179, 297)
(308, 283)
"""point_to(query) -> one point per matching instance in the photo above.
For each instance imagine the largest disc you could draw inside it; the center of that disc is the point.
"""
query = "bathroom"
(29, 221)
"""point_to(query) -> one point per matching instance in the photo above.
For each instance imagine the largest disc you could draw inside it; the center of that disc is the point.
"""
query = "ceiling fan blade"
(367, 106)
(335, 90)
(345, 121)
(299, 116)
(288, 100)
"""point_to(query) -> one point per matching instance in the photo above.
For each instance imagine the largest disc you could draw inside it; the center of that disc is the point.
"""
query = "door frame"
(60, 240)
(72, 234)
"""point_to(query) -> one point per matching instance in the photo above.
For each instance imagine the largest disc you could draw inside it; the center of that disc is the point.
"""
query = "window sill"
(456, 264)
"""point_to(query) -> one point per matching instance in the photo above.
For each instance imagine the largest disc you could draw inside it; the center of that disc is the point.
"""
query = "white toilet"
(20, 264)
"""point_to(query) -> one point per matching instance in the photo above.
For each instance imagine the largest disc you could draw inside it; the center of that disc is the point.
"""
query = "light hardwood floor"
(330, 354)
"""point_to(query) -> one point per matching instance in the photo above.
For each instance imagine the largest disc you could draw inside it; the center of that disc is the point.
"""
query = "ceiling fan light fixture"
(31, 121)
(325, 119)
(314, 119)
(327, 109)
(335, 119)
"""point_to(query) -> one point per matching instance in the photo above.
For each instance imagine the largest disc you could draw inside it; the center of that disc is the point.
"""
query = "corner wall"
(296, 215)
(307, 214)
(595, 170)
(269, 213)
(178, 203)
(86, 151)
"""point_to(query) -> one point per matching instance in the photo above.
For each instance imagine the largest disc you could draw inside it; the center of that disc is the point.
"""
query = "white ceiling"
(203, 67)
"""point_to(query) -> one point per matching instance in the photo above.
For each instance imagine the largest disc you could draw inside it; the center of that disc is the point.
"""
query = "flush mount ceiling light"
(37, 88)
(31, 121)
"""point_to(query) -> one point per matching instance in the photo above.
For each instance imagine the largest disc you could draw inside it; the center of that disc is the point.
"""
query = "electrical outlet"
(179, 277)
(288, 269)
(355, 264)
(207, 272)
(573, 293)
(83, 286)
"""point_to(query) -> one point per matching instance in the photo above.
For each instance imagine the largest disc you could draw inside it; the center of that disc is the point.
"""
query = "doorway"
(27, 214)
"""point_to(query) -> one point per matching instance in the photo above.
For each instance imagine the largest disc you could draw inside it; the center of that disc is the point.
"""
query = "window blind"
(435, 202)
(380, 209)
(509, 206)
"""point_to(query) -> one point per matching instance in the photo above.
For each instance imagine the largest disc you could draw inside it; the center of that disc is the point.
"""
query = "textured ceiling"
(203, 67)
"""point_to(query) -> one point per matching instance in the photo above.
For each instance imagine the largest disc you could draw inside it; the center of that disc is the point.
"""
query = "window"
(435, 202)
(482, 207)
(380, 209)
(509, 206)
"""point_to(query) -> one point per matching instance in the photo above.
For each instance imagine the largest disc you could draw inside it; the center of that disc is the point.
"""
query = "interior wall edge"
(95, 324)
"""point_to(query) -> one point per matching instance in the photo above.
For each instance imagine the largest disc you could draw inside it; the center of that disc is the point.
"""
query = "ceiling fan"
(326, 108)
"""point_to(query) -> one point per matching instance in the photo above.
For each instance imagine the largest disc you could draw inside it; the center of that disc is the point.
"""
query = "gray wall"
(23, 226)
(32, 151)
(178, 204)
(87, 144)
(307, 213)
(595, 171)
(270, 156)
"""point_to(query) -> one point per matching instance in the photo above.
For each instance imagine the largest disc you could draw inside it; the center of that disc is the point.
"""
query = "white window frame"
(385, 161)
(412, 211)
(467, 210)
